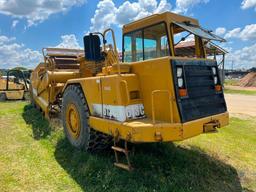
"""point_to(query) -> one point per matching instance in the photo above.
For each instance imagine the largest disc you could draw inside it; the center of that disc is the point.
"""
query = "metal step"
(123, 166)
(119, 149)
(125, 151)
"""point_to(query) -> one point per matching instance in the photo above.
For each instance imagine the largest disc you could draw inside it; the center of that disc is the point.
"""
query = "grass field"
(232, 87)
(243, 92)
(233, 82)
(34, 156)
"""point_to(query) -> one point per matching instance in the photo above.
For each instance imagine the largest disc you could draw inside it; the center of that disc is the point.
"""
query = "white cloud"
(246, 4)
(4, 39)
(163, 6)
(14, 23)
(185, 5)
(248, 33)
(104, 16)
(108, 14)
(234, 33)
(69, 41)
(148, 5)
(127, 12)
(220, 31)
(36, 11)
(243, 58)
(13, 54)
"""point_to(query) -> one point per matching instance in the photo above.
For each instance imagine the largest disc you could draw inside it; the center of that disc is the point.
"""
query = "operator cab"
(196, 81)
(164, 37)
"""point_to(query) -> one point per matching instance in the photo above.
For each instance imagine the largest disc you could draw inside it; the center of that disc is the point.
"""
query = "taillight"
(183, 92)
(217, 85)
(181, 82)
(218, 88)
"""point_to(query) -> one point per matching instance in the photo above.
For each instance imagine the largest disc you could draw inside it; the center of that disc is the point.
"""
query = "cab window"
(147, 43)
(186, 43)
(133, 46)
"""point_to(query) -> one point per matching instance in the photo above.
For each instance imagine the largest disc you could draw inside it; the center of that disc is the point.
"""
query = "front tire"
(3, 97)
(75, 115)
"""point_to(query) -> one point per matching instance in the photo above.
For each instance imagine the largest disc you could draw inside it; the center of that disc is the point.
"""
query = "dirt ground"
(241, 104)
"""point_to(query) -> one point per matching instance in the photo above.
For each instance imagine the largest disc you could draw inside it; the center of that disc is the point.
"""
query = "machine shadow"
(40, 126)
(159, 167)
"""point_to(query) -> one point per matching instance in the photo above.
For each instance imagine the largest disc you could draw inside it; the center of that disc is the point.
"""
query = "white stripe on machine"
(119, 112)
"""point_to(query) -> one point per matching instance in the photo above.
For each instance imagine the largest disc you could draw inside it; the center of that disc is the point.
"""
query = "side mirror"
(92, 47)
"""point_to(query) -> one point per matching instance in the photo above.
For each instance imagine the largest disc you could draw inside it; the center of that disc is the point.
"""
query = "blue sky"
(27, 26)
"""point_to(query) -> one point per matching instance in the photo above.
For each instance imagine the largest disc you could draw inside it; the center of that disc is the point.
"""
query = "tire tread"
(96, 141)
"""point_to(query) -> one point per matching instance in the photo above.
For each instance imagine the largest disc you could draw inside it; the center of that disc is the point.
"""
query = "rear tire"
(75, 115)
(3, 97)
(27, 96)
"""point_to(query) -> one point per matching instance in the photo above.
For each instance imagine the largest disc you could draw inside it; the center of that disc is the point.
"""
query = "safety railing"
(126, 90)
(115, 48)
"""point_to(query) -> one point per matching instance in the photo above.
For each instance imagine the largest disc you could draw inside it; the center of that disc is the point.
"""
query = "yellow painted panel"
(144, 130)
(156, 74)
(42, 100)
(195, 127)
(168, 17)
(13, 95)
(111, 92)
(138, 131)
(114, 89)
(11, 85)
(92, 91)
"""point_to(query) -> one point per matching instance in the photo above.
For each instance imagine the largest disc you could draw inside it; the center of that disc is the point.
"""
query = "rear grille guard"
(202, 99)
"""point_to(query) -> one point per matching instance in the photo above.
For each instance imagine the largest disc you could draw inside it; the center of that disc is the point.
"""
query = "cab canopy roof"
(187, 48)
(187, 23)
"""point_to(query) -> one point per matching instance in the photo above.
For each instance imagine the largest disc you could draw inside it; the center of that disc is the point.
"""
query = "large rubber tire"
(88, 139)
(3, 97)
(27, 96)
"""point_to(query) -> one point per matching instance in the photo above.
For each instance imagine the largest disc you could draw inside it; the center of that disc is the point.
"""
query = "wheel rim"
(73, 121)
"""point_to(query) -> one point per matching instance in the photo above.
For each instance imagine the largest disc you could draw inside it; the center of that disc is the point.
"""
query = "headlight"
(215, 80)
(214, 71)
(180, 82)
(179, 72)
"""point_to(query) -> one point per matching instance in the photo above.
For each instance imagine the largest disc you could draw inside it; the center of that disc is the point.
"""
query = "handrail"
(115, 48)
(153, 104)
(127, 90)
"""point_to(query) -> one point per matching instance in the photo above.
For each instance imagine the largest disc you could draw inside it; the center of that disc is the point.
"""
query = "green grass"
(243, 92)
(36, 157)
(233, 82)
